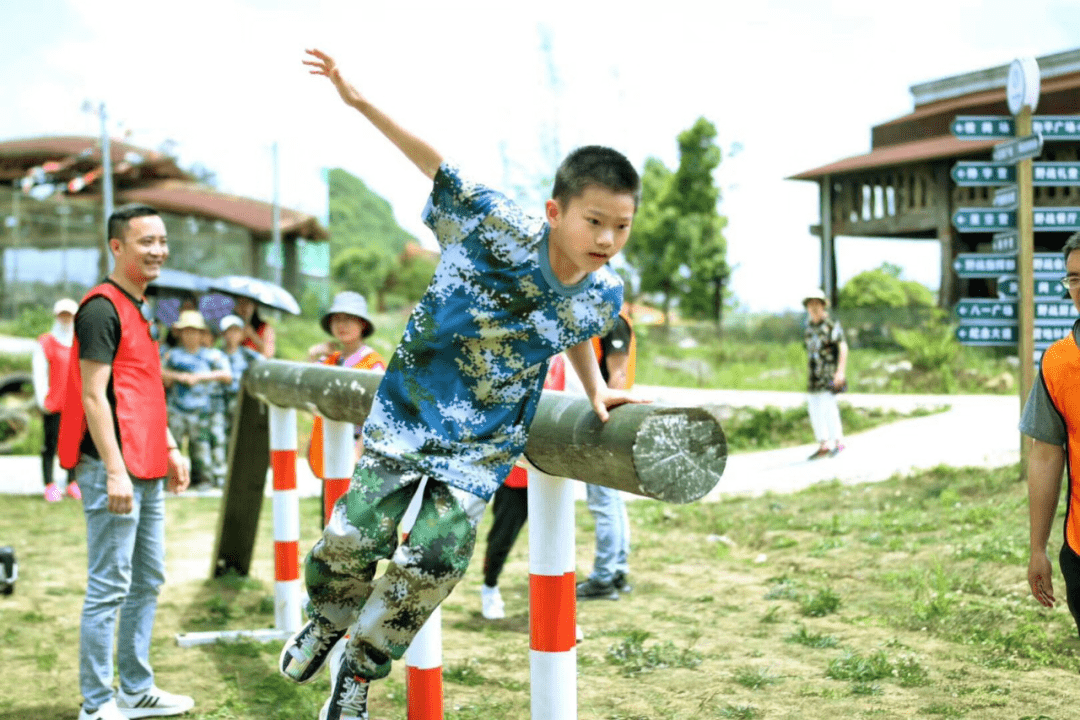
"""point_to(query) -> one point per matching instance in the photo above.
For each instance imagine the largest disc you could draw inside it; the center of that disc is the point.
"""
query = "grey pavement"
(977, 430)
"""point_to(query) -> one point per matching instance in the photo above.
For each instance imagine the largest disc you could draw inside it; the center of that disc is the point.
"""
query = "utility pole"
(275, 231)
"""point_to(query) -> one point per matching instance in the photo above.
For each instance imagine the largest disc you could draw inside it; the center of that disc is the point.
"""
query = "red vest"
(1060, 368)
(59, 358)
(140, 396)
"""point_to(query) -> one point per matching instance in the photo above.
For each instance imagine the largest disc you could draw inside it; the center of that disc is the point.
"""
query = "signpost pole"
(1024, 262)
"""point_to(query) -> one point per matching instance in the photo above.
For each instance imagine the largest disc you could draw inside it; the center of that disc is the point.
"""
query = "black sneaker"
(306, 651)
(349, 699)
(621, 584)
(593, 590)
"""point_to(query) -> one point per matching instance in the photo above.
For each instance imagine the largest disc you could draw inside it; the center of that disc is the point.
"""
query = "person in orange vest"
(348, 322)
(510, 510)
(1049, 418)
(50, 372)
(114, 435)
(258, 334)
(617, 354)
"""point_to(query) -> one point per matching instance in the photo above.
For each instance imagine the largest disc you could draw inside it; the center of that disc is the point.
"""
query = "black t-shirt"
(616, 342)
(97, 326)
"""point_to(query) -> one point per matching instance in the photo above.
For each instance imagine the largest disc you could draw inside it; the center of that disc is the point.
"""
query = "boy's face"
(191, 338)
(590, 230)
(233, 336)
(816, 310)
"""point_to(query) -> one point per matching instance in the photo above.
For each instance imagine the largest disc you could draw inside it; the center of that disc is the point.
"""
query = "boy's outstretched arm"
(422, 155)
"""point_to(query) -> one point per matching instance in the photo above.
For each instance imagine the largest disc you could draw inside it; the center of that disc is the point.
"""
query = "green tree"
(364, 270)
(883, 287)
(678, 245)
(359, 217)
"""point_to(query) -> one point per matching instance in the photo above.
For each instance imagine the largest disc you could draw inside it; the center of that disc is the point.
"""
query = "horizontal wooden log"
(673, 454)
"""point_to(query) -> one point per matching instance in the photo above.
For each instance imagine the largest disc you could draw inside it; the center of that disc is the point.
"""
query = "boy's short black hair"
(595, 165)
(118, 221)
(1073, 243)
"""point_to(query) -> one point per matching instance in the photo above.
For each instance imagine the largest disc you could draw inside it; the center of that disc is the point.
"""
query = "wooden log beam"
(673, 454)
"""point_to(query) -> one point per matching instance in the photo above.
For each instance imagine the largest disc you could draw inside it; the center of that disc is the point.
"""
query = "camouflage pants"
(385, 613)
(195, 426)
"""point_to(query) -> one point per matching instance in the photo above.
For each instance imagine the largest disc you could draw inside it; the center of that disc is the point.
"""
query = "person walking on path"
(114, 435)
(1050, 418)
(50, 363)
(826, 354)
(616, 354)
(458, 395)
(510, 510)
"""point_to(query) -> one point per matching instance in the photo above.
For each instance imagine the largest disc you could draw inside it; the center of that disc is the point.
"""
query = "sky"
(506, 89)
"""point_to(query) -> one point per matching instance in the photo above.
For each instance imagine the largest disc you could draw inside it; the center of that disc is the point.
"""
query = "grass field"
(904, 599)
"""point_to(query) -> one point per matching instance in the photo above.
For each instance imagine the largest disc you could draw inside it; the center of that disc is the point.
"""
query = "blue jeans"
(125, 570)
(612, 532)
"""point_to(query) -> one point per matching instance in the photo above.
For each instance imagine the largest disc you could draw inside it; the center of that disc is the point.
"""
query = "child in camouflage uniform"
(458, 396)
(189, 372)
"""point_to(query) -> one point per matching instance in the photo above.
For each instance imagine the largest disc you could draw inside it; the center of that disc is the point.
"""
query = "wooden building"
(50, 197)
(903, 187)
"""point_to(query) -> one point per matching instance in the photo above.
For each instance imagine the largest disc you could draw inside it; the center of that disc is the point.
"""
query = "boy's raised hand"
(323, 64)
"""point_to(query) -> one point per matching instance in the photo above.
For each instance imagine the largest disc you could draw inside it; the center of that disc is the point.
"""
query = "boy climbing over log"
(458, 396)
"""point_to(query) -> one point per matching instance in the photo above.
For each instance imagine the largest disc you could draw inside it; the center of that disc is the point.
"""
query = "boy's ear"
(552, 212)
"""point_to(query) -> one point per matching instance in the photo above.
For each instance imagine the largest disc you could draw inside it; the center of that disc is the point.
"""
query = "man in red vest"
(118, 444)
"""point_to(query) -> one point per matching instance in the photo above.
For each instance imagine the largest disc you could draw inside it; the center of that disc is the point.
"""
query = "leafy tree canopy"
(361, 218)
(883, 287)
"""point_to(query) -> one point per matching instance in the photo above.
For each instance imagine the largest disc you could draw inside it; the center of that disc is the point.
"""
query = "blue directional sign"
(987, 334)
(1046, 288)
(983, 127)
(1004, 242)
(1050, 218)
(984, 310)
(983, 219)
(1000, 127)
(1057, 127)
(1054, 174)
(983, 265)
(1055, 310)
(968, 173)
(1017, 149)
(975, 174)
(1002, 334)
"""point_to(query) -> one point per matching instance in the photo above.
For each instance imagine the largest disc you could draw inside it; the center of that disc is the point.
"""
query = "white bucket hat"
(65, 305)
(350, 303)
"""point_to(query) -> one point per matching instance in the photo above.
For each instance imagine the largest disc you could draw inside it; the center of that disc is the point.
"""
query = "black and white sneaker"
(621, 583)
(306, 652)
(595, 590)
(349, 699)
(155, 702)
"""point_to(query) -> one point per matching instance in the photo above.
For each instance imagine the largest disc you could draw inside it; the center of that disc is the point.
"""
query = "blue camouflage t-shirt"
(460, 393)
(184, 398)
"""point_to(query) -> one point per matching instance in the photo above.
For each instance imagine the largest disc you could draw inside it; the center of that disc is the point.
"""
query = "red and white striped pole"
(338, 462)
(552, 598)
(286, 519)
(423, 659)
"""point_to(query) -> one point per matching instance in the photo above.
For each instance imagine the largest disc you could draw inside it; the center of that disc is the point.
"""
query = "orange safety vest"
(1060, 370)
(58, 356)
(140, 396)
(631, 364)
(371, 360)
